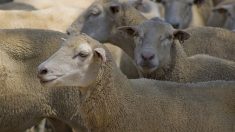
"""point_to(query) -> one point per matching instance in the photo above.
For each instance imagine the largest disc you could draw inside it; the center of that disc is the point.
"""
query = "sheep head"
(76, 63)
(154, 39)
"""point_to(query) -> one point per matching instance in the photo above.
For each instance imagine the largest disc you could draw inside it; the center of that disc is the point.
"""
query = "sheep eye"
(81, 54)
(95, 12)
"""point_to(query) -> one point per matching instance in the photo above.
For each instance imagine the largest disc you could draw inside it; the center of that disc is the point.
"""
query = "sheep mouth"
(147, 68)
(43, 81)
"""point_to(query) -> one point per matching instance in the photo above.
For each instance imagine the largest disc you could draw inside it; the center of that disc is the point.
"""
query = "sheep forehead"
(85, 47)
(156, 27)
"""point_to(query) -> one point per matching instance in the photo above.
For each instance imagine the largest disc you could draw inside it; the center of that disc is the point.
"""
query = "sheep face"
(75, 64)
(228, 11)
(154, 40)
(97, 21)
(179, 12)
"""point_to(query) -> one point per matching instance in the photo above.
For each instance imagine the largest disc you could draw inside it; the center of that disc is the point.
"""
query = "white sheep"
(109, 102)
(159, 55)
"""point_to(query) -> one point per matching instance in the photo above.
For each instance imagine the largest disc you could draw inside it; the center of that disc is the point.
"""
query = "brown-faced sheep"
(159, 55)
(109, 102)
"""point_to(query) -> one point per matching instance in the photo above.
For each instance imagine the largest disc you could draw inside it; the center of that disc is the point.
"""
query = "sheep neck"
(105, 101)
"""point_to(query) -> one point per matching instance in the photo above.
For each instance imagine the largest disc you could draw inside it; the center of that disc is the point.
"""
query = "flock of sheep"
(117, 65)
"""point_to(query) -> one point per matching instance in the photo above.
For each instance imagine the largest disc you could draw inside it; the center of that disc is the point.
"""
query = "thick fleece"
(22, 99)
(112, 103)
(212, 41)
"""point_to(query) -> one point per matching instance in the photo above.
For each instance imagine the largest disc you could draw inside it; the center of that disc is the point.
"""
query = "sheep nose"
(176, 25)
(147, 56)
(42, 71)
(68, 33)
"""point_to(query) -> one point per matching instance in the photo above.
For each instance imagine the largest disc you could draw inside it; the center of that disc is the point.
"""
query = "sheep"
(16, 6)
(22, 99)
(162, 57)
(148, 8)
(43, 4)
(223, 15)
(182, 14)
(21, 50)
(56, 18)
(5, 1)
(109, 102)
(101, 20)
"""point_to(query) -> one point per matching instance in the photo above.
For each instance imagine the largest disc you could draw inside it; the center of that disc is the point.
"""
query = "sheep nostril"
(147, 56)
(43, 71)
(176, 26)
(68, 33)
(151, 57)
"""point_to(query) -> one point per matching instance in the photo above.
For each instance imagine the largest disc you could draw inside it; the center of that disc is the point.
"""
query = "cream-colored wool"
(212, 41)
(112, 103)
(55, 18)
(23, 103)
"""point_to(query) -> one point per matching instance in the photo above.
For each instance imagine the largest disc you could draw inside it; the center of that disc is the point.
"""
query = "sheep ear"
(181, 35)
(130, 30)
(199, 2)
(101, 53)
(114, 8)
